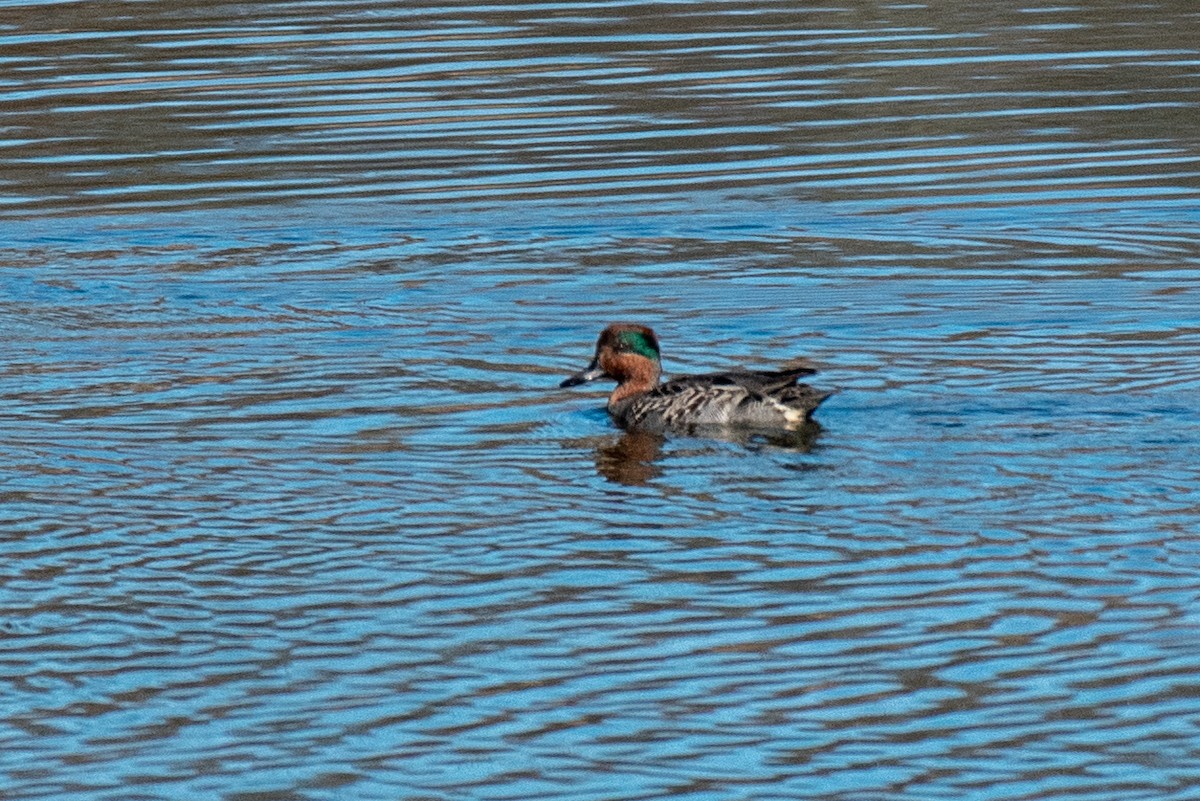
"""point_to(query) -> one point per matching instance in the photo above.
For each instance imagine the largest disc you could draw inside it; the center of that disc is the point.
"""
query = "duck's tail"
(802, 400)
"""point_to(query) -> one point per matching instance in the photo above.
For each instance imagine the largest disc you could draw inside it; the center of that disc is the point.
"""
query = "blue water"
(294, 509)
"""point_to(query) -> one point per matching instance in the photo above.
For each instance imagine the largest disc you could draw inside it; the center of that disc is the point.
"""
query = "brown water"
(293, 508)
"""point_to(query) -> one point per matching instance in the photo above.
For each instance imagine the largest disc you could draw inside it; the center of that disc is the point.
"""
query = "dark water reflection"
(630, 457)
(293, 509)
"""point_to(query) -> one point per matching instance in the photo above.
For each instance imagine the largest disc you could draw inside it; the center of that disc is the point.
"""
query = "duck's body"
(629, 354)
(738, 398)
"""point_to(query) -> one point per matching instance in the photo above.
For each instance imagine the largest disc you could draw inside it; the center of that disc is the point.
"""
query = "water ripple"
(447, 104)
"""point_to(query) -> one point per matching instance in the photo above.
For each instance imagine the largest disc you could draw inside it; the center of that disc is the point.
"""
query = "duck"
(629, 354)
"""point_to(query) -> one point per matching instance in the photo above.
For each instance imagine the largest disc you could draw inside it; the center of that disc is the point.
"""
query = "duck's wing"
(765, 382)
(766, 399)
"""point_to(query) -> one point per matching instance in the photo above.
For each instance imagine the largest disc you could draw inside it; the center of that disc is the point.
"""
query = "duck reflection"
(632, 458)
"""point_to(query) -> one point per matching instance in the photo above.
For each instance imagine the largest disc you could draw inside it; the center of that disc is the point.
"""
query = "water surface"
(293, 508)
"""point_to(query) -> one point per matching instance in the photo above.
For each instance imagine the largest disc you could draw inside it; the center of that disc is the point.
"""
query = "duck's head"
(626, 353)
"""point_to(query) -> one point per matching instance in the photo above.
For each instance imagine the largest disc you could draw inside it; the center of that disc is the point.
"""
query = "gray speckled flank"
(737, 398)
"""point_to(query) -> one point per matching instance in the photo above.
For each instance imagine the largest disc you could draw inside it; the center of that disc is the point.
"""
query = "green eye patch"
(639, 343)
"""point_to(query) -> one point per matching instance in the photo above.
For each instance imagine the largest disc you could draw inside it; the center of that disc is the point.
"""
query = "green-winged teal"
(629, 355)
